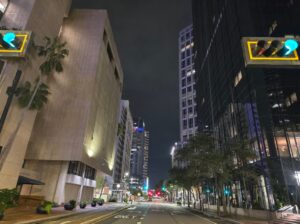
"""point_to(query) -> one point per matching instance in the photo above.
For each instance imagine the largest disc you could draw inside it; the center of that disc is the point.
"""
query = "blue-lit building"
(139, 157)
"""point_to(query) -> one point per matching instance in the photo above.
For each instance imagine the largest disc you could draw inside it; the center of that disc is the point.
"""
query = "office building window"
(182, 55)
(189, 89)
(183, 91)
(183, 103)
(190, 102)
(184, 124)
(183, 82)
(76, 168)
(189, 80)
(90, 173)
(191, 121)
(184, 112)
(182, 64)
(190, 110)
(183, 73)
(188, 52)
(188, 62)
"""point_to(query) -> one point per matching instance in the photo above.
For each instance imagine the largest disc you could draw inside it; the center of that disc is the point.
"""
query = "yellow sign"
(252, 46)
(271, 52)
(14, 43)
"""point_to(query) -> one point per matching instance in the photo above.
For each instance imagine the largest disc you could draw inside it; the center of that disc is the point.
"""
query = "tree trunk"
(189, 198)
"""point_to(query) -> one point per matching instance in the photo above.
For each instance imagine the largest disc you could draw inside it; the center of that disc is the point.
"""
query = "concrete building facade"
(31, 15)
(73, 137)
(123, 143)
(187, 91)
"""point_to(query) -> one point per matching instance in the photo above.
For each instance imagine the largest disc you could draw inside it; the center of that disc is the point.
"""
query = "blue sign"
(290, 45)
(9, 38)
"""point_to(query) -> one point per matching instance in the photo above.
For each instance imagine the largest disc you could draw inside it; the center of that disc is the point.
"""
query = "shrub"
(113, 200)
(72, 203)
(8, 199)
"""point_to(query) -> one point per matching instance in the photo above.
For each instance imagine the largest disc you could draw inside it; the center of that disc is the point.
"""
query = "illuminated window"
(238, 78)
(294, 98)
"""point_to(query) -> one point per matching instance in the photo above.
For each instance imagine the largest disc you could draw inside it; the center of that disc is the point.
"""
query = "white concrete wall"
(28, 15)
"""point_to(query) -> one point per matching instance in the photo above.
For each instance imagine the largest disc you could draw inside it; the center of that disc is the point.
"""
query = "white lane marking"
(65, 222)
(203, 218)
(132, 208)
(139, 223)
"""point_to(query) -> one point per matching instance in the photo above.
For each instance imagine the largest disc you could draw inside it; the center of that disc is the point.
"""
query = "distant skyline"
(146, 34)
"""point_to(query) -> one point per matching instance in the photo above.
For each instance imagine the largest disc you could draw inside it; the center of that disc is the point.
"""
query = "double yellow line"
(104, 217)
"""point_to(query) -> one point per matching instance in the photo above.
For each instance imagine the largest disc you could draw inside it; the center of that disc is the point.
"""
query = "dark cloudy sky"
(146, 32)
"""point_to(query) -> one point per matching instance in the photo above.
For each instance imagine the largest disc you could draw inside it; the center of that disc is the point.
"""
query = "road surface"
(155, 212)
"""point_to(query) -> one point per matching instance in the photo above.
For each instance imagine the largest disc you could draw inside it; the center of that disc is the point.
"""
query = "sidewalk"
(233, 220)
(23, 215)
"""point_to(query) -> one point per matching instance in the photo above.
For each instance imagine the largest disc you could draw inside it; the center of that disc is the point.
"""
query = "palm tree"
(53, 53)
(24, 94)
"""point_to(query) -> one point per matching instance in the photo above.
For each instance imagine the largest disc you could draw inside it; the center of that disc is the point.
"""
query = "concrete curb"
(213, 216)
(52, 218)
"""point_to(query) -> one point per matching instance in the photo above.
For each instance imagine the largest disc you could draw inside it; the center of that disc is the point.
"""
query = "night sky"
(146, 33)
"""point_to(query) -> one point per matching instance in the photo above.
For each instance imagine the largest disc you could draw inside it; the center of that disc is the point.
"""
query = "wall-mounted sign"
(271, 52)
(14, 43)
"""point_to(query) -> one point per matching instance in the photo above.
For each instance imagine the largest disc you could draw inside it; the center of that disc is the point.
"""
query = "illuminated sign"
(14, 43)
(271, 52)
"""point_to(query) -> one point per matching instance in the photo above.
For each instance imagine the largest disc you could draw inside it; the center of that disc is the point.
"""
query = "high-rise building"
(139, 154)
(123, 143)
(73, 138)
(187, 91)
(29, 16)
(258, 104)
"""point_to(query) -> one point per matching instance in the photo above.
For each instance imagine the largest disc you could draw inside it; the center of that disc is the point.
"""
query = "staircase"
(288, 219)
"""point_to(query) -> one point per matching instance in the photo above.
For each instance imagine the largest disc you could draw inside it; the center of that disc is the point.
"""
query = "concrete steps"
(288, 219)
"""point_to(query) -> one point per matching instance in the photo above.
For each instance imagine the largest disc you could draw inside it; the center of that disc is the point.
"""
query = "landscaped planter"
(40, 210)
(93, 204)
(68, 207)
(82, 206)
(1, 215)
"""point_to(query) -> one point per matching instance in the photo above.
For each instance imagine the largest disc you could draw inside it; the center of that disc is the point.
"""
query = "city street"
(156, 212)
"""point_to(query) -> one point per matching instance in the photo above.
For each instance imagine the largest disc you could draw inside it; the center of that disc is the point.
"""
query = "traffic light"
(273, 48)
(277, 52)
(288, 48)
(9, 41)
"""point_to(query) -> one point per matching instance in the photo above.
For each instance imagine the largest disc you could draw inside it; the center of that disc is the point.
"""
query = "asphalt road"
(156, 212)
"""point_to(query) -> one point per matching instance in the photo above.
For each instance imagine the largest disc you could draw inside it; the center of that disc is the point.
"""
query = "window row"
(188, 102)
(189, 89)
(77, 168)
(186, 36)
(186, 62)
(186, 54)
(187, 72)
(189, 111)
(186, 81)
(189, 123)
